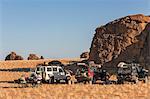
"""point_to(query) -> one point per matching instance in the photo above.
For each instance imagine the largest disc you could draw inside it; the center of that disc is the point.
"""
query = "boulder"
(13, 56)
(126, 39)
(33, 57)
(18, 57)
(41, 57)
(85, 55)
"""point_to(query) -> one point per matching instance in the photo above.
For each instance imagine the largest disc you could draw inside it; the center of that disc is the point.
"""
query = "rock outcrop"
(33, 57)
(13, 56)
(18, 57)
(85, 55)
(126, 39)
(41, 57)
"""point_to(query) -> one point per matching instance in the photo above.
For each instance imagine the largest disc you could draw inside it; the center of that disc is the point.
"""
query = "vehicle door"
(61, 73)
(48, 72)
(56, 73)
(38, 70)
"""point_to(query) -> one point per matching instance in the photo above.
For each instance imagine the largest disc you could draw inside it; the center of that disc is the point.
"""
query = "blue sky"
(58, 28)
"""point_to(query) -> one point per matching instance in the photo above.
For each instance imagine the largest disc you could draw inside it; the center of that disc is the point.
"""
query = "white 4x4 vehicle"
(53, 74)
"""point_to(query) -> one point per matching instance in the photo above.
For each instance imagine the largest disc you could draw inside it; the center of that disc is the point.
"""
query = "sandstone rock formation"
(85, 55)
(13, 56)
(41, 57)
(126, 39)
(18, 57)
(33, 57)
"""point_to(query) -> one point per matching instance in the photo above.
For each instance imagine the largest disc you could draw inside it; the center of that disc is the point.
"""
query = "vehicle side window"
(38, 69)
(49, 69)
(54, 69)
(42, 69)
(60, 70)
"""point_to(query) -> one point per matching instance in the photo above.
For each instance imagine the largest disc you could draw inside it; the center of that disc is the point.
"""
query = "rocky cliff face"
(125, 39)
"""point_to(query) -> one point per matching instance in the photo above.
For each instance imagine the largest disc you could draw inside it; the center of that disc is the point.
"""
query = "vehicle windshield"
(126, 68)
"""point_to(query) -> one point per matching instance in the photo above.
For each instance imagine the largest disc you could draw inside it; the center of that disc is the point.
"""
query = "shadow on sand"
(12, 84)
(17, 70)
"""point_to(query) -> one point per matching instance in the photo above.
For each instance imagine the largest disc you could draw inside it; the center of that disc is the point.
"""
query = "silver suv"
(52, 74)
(131, 73)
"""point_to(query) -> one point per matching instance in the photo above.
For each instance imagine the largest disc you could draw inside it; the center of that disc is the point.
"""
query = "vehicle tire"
(67, 81)
(85, 82)
(136, 80)
(51, 80)
(94, 80)
(120, 81)
(33, 85)
(146, 79)
(107, 82)
(57, 81)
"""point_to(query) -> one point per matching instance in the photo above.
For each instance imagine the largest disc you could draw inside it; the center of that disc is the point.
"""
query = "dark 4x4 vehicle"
(101, 74)
(131, 73)
(91, 74)
(83, 74)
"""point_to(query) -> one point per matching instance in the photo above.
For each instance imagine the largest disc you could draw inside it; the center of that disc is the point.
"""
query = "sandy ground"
(64, 91)
(77, 91)
(30, 63)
